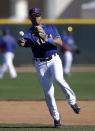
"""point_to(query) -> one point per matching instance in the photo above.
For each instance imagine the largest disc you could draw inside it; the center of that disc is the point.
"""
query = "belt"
(45, 59)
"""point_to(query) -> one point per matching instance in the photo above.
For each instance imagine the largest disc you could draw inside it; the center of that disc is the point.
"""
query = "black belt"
(45, 59)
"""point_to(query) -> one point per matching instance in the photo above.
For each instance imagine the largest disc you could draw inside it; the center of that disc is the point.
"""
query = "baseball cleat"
(75, 108)
(57, 123)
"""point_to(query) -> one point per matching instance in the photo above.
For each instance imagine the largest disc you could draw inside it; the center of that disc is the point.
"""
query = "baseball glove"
(39, 32)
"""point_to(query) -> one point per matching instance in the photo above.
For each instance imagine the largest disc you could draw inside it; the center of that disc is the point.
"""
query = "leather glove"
(39, 32)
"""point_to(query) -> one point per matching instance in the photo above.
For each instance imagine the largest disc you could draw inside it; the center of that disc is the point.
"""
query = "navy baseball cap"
(34, 12)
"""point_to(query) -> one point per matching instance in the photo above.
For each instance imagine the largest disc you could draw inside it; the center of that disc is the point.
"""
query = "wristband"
(50, 40)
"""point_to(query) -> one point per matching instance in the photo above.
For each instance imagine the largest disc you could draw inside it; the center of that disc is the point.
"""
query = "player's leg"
(3, 68)
(9, 59)
(57, 73)
(46, 81)
(67, 62)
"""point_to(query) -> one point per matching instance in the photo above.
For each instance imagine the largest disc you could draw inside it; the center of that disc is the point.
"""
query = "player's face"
(36, 20)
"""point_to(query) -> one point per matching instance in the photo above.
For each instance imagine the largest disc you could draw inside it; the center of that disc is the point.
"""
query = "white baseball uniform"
(69, 45)
(8, 44)
(49, 67)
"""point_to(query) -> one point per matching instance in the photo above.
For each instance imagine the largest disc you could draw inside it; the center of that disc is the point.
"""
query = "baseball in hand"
(21, 33)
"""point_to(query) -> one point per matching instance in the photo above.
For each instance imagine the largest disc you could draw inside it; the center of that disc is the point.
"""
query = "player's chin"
(35, 22)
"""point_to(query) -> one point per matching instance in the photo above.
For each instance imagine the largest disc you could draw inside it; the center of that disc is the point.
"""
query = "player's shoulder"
(27, 34)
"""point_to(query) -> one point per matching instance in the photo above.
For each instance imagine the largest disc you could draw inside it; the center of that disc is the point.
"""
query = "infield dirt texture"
(33, 112)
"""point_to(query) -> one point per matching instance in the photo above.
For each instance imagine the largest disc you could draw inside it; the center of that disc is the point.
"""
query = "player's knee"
(49, 94)
(58, 80)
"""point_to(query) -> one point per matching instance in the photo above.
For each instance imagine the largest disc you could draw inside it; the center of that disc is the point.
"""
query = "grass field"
(27, 87)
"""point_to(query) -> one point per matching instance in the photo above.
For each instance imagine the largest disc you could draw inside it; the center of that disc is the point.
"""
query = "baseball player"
(7, 46)
(69, 47)
(43, 40)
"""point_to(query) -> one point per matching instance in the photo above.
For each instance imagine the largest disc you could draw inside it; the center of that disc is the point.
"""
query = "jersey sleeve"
(27, 35)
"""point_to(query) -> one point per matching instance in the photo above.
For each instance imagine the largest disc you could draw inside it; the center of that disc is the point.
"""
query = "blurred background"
(79, 14)
(59, 9)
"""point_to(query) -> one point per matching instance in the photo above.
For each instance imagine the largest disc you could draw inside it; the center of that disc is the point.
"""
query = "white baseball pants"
(47, 72)
(68, 58)
(8, 64)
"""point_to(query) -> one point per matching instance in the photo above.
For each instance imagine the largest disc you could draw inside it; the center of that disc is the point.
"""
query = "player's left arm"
(56, 39)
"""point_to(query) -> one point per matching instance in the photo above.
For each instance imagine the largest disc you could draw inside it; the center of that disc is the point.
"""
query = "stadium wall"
(84, 33)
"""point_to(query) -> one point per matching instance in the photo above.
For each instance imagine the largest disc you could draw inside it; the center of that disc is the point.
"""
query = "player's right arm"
(25, 40)
(21, 42)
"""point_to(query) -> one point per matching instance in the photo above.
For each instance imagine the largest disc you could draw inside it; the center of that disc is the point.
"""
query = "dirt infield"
(78, 68)
(36, 112)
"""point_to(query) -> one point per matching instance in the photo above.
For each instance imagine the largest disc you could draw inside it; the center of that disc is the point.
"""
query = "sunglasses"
(35, 15)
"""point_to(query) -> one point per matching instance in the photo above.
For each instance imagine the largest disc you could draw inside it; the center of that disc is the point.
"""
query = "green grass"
(45, 128)
(27, 87)
(83, 83)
